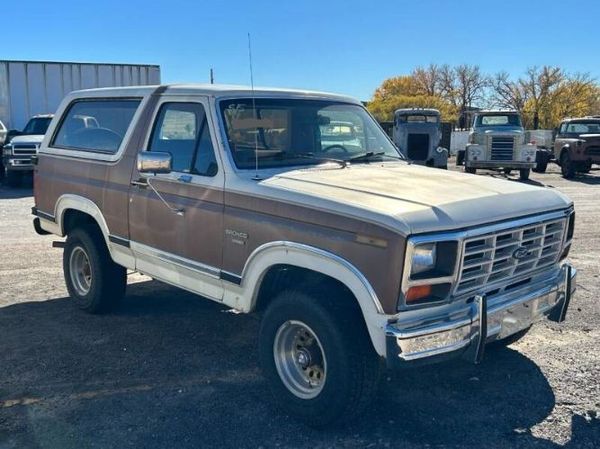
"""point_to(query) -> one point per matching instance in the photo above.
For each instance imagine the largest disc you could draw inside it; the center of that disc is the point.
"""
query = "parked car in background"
(18, 152)
(232, 193)
(418, 134)
(3, 132)
(577, 145)
(497, 141)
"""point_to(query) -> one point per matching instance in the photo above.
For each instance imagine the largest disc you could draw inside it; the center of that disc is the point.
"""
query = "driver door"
(181, 248)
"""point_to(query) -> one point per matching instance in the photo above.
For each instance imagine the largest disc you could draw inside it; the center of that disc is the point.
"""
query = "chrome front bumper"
(500, 164)
(465, 332)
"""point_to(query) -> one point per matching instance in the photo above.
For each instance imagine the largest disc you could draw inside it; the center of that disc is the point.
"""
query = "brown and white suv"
(350, 255)
(577, 145)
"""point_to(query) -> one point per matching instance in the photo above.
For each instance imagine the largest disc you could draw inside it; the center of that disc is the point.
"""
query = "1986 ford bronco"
(350, 255)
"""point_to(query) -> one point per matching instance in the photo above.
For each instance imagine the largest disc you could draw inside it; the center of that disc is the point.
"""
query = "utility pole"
(212, 78)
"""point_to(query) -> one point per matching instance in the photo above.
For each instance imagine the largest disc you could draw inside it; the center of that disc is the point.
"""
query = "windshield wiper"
(343, 163)
(370, 155)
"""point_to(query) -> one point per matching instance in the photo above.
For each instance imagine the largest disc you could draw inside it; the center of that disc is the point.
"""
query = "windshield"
(37, 126)
(498, 120)
(288, 132)
(583, 128)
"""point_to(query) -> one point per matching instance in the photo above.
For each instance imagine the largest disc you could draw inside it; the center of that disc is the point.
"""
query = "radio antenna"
(256, 177)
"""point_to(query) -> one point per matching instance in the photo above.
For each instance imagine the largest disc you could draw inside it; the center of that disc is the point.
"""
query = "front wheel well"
(289, 277)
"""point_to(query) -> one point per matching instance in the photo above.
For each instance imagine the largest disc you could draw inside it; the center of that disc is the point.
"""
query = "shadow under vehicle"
(417, 133)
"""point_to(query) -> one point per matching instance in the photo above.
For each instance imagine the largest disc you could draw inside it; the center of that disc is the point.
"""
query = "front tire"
(567, 167)
(93, 280)
(317, 357)
(524, 174)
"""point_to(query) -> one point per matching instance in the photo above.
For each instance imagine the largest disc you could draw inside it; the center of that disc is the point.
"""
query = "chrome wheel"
(300, 359)
(80, 270)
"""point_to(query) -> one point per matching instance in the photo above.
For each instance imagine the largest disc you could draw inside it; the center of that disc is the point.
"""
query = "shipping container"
(28, 88)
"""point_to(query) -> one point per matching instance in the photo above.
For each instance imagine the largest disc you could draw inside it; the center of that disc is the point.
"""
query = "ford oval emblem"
(520, 253)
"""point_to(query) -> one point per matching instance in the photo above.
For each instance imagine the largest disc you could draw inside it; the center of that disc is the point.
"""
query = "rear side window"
(95, 125)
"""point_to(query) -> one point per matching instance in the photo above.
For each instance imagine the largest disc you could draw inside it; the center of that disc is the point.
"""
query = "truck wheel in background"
(14, 178)
(541, 167)
(460, 157)
(567, 167)
(584, 168)
(470, 170)
(507, 171)
(524, 174)
(93, 280)
(317, 357)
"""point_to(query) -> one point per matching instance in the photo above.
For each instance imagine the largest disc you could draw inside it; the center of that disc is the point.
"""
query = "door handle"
(142, 183)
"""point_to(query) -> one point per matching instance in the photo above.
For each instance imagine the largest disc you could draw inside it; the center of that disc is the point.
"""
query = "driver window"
(181, 129)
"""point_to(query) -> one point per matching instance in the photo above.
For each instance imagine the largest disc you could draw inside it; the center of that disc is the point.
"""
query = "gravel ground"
(167, 370)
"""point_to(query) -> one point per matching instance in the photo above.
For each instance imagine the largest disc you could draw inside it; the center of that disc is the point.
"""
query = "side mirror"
(154, 162)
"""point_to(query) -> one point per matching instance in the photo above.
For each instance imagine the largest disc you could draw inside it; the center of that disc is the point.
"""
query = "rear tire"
(14, 178)
(317, 357)
(541, 167)
(567, 167)
(524, 174)
(460, 157)
(93, 280)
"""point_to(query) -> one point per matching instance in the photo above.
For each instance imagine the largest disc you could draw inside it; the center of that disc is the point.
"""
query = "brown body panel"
(266, 220)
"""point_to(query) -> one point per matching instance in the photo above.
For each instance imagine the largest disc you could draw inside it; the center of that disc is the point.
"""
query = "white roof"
(213, 90)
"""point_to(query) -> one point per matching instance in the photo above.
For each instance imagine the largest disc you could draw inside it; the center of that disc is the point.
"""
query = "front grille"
(491, 257)
(502, 148)
(418, 147)
(24, 148)
(593, 150)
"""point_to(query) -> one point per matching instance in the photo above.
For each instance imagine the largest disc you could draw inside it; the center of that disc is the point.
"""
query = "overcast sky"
(347, 47)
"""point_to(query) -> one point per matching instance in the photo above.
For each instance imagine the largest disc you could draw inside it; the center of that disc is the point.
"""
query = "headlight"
(429, 271)
(474, 153)
(7, 150)
(424, 258)
(528, 154)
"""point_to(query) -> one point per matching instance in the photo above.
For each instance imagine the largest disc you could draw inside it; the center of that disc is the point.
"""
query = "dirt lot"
(168, 370)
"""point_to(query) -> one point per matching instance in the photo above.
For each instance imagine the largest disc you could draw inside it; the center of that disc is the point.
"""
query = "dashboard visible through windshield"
(287, 132)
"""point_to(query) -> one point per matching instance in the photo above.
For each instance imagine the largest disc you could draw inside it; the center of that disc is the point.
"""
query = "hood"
(34, 138)
(413, 199)
(499, 130)
(590, 137)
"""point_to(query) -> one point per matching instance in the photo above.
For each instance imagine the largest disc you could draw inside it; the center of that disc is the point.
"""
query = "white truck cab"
(497, 141)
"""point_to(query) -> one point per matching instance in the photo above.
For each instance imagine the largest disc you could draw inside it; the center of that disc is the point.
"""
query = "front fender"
(316, 259)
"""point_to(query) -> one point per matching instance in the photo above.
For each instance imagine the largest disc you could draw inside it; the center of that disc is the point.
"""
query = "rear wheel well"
(289, 277)
(73, 219)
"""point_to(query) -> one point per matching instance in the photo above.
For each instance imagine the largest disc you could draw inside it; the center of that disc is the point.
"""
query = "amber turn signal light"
(417, 293)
